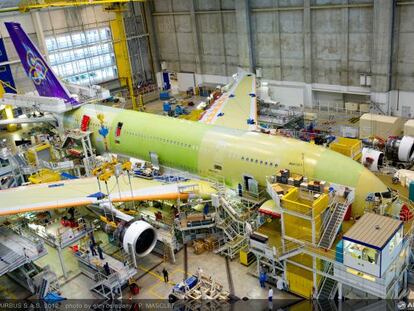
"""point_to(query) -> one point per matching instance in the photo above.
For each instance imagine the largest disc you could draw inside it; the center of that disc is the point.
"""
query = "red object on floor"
(134, 288)
(64, 222)
(348, 213)
(75, 248)
(405, 213)
(85, 123)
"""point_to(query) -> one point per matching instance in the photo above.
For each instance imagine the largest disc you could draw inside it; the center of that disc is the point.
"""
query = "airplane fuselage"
(213, 151)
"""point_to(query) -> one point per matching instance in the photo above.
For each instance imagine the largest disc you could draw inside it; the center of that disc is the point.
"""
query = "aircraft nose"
(367, 183)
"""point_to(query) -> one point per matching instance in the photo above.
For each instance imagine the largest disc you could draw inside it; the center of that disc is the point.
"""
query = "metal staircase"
(234, 241)
(328, 287)
(233, 229)
(108, 286)
(232, 248)
(10, 260)
(226, 226)
(333, 225)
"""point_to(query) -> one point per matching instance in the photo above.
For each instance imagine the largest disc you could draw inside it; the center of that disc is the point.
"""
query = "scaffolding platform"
(57, 236)
(16, 250)
(93, 265)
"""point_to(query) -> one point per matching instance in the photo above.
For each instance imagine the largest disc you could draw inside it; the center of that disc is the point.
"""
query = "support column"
(340, 291)
(37, 23)
(196, 41)
(244, 35)
(122, 54)
(276, 29)
(150, 29)
(382, 45)
(345, 39)
(307, 41)
(315, 278)
(59, 250)
(177, 48)
(223, 40)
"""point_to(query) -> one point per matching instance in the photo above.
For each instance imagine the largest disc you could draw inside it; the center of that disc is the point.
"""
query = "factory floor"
(231, 274)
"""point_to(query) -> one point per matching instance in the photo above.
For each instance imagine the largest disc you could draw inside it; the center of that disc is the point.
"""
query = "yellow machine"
(7, 111)
(44, 176)
(246, 257)
(347, 146)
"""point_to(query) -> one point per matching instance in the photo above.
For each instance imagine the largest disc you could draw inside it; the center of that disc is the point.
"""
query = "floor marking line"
(154, 274)
(147, 270)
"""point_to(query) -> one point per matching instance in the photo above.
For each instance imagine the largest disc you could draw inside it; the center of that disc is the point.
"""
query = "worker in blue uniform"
(100, 252)
(92, 248)
(262, 278)
(206, 209)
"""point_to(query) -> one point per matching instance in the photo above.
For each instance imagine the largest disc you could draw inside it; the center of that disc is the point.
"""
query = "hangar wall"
(308, 45)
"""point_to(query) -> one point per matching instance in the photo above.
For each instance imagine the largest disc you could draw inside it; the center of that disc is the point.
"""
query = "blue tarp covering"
(190, 282)
(67, 176)
(55, 185)
(53, 297)
(98, 195)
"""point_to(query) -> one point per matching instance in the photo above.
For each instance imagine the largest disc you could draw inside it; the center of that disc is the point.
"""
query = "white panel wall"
(288, 96)
(185, 81)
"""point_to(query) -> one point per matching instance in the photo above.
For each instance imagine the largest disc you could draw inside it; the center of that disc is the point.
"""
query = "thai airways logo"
(37, 67)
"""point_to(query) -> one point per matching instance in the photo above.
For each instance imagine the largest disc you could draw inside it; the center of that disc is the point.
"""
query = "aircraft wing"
(237, 107)
(27, 120)
(81, 192)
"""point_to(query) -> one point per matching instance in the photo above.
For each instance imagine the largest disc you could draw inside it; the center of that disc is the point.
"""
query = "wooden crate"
(199, 247)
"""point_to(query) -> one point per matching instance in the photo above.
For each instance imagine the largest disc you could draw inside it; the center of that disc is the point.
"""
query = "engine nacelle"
(372, 159)
(141, 235)
(400, 149)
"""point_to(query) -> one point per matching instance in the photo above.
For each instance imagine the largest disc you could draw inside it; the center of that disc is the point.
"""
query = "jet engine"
(140, 235)
(372, 159)
(136, 235)
(400, 149)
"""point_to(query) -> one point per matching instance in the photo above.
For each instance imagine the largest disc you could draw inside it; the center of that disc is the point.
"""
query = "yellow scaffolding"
(121, 53)
(302, 221)
(27, 5)
(8, 110)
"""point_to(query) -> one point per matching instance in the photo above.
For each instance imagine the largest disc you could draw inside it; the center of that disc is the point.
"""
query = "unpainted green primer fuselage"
(219, 152)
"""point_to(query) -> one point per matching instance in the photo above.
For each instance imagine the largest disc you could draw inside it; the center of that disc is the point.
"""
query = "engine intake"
(141, 235)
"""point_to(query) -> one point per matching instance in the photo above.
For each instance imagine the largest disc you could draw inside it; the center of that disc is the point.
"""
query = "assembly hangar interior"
(207, 152)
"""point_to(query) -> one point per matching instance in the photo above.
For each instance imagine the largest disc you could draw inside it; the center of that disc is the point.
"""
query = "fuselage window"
(217, 167)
